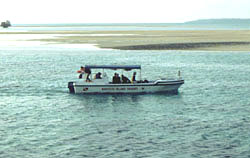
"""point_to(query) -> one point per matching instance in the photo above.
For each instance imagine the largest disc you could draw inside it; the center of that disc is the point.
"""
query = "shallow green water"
(208, 118)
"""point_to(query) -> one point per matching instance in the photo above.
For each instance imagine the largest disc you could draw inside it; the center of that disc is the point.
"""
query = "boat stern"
(71, 87)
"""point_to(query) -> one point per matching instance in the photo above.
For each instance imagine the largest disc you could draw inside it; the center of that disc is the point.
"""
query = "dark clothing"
(88, 71)
(80, 76)
(81, 71)
(133, 78)
(87, 78)
(98, 76)
(116, 79)
(145, 81)
(125, 79)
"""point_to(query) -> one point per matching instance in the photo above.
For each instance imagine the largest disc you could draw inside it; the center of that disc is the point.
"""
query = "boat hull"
(137, 88)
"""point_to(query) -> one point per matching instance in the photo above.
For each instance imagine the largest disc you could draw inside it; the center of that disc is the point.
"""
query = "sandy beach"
(213, 40)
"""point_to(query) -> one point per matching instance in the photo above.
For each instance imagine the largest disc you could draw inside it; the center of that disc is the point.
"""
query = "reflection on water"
(106, 99)
(120, 99)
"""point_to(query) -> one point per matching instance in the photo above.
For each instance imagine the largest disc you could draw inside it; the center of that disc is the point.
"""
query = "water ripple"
(208, 118)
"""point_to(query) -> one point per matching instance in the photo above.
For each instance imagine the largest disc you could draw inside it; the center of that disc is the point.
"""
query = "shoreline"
(182, 46)
(208, 40)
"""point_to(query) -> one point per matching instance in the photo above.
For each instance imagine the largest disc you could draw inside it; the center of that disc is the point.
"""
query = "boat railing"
(170, 76)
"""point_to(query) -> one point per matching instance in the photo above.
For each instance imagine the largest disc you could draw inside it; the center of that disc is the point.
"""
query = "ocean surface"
(210, 117)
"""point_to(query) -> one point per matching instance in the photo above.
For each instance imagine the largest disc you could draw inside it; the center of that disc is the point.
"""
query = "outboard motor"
(71, 87)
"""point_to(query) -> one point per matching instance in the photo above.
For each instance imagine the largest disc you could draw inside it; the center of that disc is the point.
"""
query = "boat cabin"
(102, 77)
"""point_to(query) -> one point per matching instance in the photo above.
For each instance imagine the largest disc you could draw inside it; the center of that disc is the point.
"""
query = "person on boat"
(88, 71)
(81, 71)
(133, 78)
(116, 78)
(125, 79)
(98, 75)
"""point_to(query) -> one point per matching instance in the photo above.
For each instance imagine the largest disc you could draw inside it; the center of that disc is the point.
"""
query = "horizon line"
(43, 23)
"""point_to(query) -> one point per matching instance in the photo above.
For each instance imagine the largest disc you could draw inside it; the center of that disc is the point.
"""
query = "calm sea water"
(39, 118)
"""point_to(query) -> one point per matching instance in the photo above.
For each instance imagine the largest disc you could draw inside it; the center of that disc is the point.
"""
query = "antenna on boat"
(179, 74)
(140, 75)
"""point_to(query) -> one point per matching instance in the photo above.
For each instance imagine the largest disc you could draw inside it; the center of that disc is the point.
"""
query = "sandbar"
(212, 40)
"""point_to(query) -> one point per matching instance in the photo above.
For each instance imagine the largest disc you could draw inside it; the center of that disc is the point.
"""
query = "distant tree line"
(5, 24)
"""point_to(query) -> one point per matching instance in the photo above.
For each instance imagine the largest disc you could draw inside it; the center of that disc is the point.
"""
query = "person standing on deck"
(133, 78)
(88, 71)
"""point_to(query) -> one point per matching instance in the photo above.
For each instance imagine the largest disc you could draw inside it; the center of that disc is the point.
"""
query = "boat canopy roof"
(114, 67)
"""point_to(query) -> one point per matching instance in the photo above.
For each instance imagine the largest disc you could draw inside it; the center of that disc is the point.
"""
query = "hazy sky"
(120, 11)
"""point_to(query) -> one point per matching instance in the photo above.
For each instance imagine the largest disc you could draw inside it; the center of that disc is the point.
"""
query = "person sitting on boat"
(81, 71)
(133, 78)
(125, 79)
(116, 78)
(88, 71)
(98, 75)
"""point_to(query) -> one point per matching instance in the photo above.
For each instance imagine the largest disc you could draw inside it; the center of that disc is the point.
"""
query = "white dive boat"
(103, 84)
